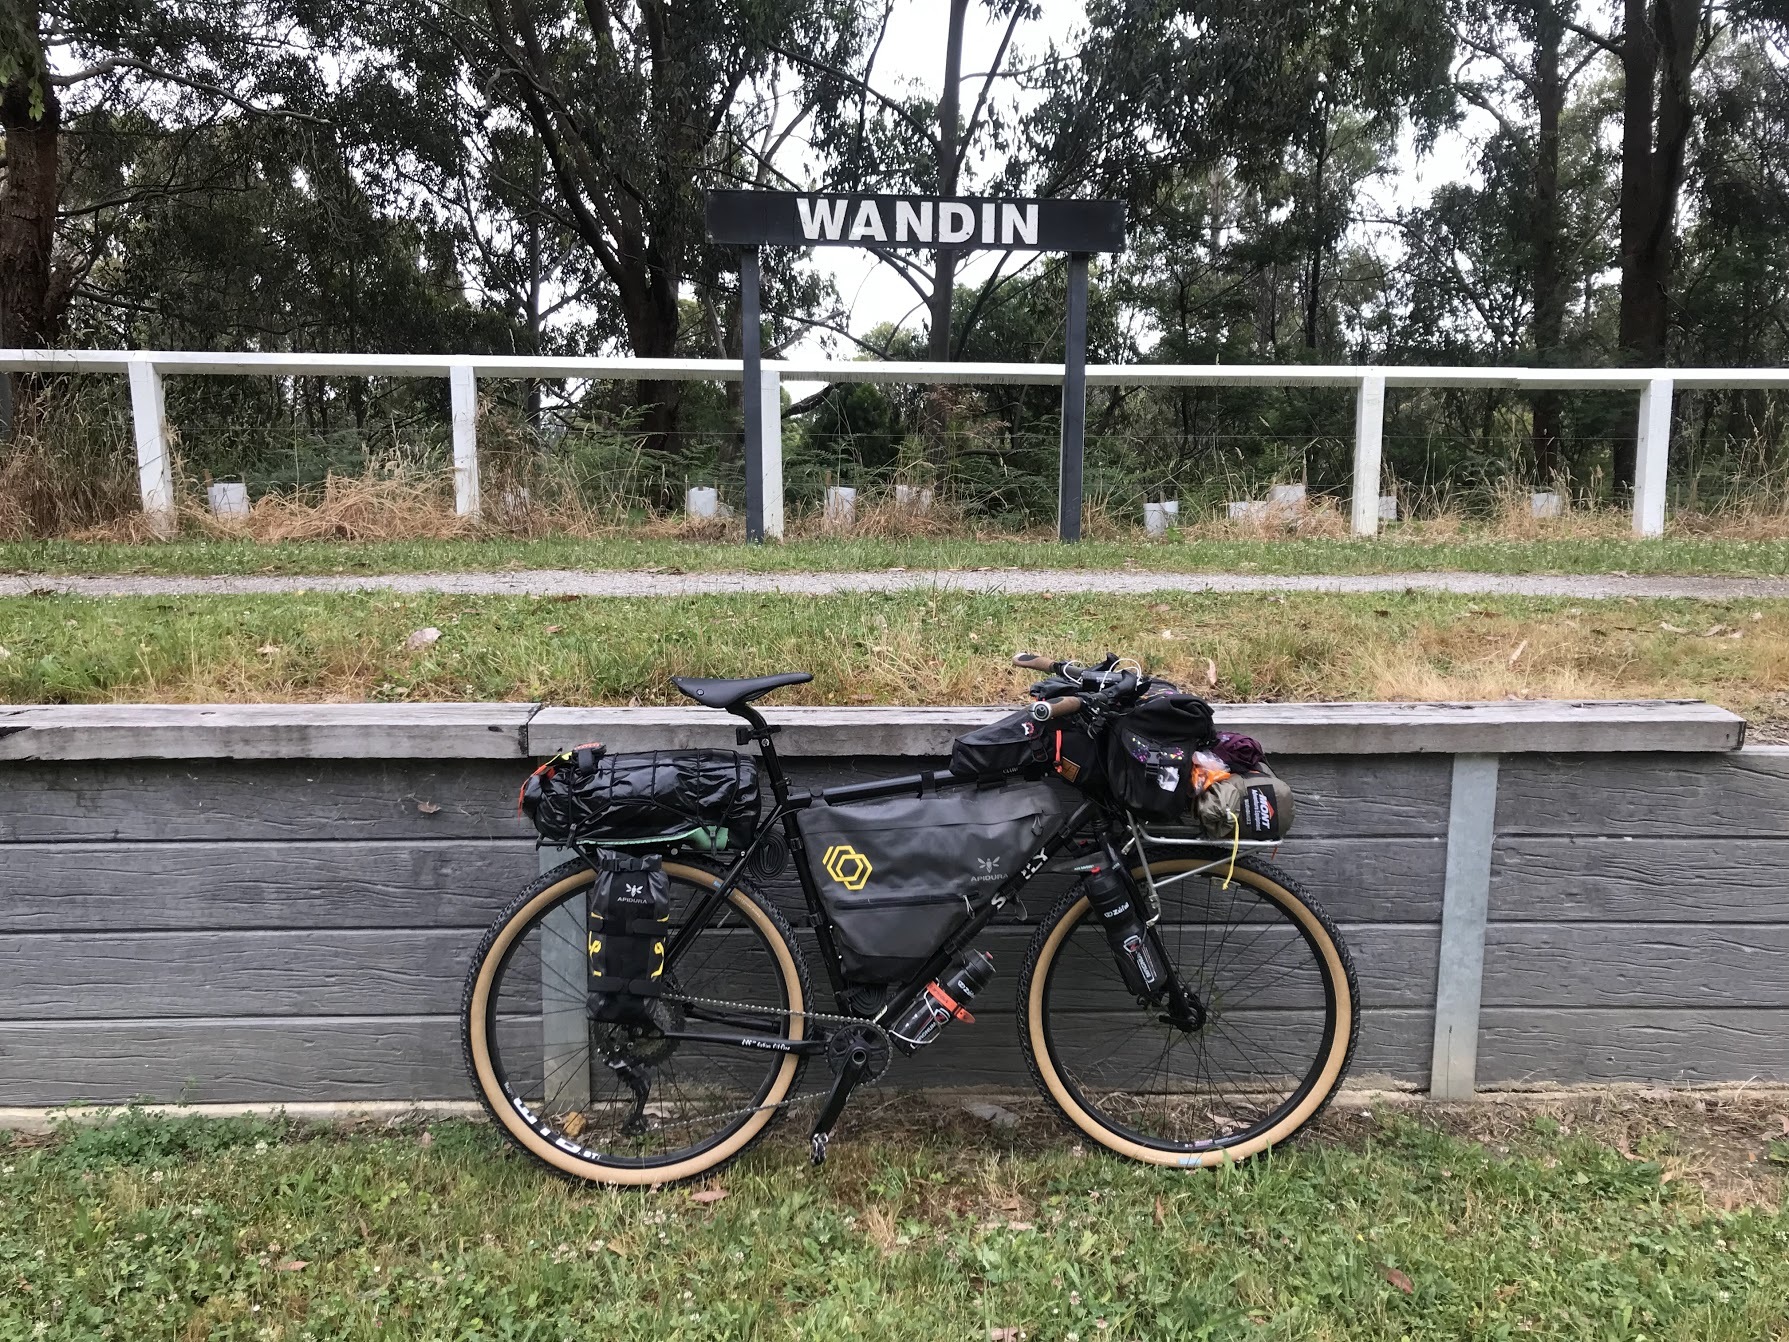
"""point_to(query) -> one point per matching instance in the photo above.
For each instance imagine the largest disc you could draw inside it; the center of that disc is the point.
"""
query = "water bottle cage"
(949, 1003)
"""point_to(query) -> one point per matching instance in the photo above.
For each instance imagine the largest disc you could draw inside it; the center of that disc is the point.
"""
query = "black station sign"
(791, 219)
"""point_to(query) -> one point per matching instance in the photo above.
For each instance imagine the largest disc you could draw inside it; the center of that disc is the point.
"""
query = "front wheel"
(657, 1102)
(1280, 1017)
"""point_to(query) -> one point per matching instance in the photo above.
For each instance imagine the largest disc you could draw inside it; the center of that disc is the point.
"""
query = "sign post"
(751, 396)
(1074, 404)
(751, 219)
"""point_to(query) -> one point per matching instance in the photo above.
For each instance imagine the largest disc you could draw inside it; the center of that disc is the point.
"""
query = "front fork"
(1180, 1005)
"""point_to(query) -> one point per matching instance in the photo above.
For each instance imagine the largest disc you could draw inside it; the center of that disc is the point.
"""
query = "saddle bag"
(1149, 753)
(899, 875)
(629, 915)
(706, 797)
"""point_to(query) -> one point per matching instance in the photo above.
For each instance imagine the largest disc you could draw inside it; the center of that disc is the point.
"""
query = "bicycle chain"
(787, 1100)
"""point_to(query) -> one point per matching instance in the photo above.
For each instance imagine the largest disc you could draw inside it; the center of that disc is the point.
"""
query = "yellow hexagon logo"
(847, 866)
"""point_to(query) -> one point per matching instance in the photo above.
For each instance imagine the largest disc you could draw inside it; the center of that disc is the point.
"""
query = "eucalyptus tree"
(628, 109)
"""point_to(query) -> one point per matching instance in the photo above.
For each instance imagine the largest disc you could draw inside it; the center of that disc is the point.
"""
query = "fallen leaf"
(1161, 1214)
(1161, 608)
(428, 808)
(1020, 1225)
(1521, 648)
(617, 1250)
(1168, 634)
(1784, 1120)
(1757, 615)
(4, 654)
(1737, 633)
(1211, 672)
(555, 628)
(293, 1265)
(266, 650)
(1671, 628)
(1004, 1335)
(1399, 1280)
(427, 1139)
(1714, 629)
(709, 1195)
(572, 1124)
(421, 638)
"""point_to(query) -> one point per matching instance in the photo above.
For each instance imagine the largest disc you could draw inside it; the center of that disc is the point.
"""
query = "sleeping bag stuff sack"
(899, 875)
(589, 796)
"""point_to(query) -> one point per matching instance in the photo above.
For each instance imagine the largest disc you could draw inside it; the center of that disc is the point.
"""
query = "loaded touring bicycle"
(642, 1013)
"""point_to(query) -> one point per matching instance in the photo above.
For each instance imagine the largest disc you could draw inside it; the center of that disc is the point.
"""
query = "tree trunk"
(29, 310)
(1657, 51)
(1313, 299)
(1549, 287)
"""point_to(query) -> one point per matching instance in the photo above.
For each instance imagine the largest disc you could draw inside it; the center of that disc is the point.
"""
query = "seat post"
(761, 731)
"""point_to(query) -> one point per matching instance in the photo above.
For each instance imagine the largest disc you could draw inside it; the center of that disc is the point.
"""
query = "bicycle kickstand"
(848, 1077)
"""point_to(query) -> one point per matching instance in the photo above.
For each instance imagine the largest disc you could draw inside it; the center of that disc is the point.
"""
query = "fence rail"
(146, 369)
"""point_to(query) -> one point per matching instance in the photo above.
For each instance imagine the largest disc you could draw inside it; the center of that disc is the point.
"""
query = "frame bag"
(708, 797)
(1149, 753)
(629, 916)
(899, 875)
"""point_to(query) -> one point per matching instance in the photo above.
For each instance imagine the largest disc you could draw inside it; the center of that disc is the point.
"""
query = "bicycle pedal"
(817, 1145)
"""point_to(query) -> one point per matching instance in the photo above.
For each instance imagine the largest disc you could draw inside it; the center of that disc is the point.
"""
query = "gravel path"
(575, 582)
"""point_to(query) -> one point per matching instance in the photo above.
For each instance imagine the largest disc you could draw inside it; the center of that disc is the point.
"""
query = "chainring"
(868, 1036)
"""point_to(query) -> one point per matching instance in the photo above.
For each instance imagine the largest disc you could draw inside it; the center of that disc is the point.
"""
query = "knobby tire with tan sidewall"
(1328, 1067)
(476, 1015)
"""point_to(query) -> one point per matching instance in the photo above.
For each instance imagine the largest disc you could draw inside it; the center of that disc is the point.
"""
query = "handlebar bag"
(1015, 744)
(589, 796)
(1149, 753)
(899, 875)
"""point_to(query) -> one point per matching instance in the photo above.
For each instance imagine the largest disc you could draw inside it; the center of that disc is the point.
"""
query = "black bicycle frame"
(790, 803)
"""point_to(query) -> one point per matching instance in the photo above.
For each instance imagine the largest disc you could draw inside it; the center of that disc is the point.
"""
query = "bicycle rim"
(548, 1073)
(1280, 1006)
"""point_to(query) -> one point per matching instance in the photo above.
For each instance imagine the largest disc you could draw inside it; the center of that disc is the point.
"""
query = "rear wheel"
(633, 1104)
(1281, 1016)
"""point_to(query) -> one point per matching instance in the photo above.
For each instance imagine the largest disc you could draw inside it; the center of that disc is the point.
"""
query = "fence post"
(1369, 426)
(1465, 909)
(770, 410)
(1652, 451)
(155, 468)
(463, 386)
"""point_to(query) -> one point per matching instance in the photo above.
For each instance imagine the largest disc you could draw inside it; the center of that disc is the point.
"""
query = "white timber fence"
(146, 370)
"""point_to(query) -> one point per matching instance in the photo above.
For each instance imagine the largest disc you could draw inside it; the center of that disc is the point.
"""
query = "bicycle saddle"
(730, 694)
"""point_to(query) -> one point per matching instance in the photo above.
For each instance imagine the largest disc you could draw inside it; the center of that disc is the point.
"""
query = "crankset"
(857, 1053)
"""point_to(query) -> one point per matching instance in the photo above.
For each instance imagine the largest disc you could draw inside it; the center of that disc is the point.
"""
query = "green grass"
(1380, 1228)
(1685, 555)
(912, 647)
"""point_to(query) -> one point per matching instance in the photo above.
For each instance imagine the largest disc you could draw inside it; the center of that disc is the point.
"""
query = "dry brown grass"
(43, 497)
